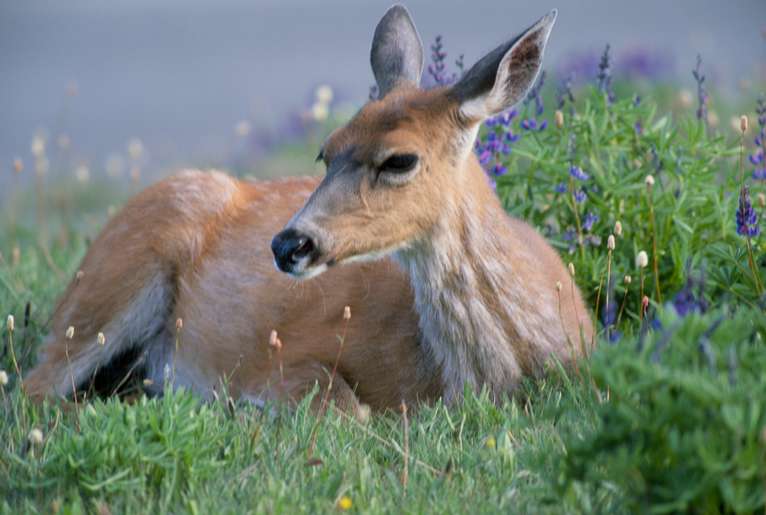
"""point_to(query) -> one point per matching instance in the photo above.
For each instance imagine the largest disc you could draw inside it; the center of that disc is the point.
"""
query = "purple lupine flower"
(578, 173)
(564, 92)
(609, 315)
(636, 100)
(534, 95)
(691, 297)
(460, 64)
(561, 187)
(702, 96)
(759, 156)
(510, 137)
(529, 124)
(437, 69)
(589, 221)
(638, 128)
(506, 117)
(579, 196)
(604, 75)
(746, 217)
(485, 157)
(499, 170)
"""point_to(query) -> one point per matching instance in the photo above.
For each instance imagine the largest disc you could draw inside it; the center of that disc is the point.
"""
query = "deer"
(446, 291)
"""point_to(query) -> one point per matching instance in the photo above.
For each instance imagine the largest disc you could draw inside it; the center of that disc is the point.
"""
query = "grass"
(667, 415)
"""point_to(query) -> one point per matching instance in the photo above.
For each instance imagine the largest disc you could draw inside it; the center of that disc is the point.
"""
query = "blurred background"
(136, 89)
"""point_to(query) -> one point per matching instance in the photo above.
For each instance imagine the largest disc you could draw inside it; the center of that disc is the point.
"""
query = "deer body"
(445, 289)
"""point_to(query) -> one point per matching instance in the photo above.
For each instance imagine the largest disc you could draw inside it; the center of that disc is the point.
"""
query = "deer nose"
(293, 250)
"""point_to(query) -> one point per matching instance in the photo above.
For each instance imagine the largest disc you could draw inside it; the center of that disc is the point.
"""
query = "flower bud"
(35, 437)
(179, 324)
(11, 323)
(558, 285)
(274, 340)
(762, 199)
(610, 242)
(571, 269)
(618, 228)
(79, 275)
(649, 181)
(642, 259)
(627, 279)
(347, 313)
(645, 302)
(69, 333)
(101, 339)
(559, 118)
(3, 378)
(743, 124)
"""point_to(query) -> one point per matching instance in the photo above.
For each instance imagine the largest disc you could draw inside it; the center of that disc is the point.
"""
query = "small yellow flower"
(344, 503)
(490, 442)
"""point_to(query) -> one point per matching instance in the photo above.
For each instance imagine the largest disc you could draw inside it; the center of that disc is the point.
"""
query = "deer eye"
(399, 163)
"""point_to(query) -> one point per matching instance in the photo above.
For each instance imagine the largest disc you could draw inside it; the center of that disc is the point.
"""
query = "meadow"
(655, 201)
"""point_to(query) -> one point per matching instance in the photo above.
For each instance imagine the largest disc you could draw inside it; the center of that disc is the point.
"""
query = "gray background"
(179, 74)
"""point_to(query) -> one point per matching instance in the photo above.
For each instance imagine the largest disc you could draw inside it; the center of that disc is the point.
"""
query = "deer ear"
(502, 77)
(397, 52)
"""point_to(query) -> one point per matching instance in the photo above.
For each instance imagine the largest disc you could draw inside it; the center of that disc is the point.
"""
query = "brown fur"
(468, 296)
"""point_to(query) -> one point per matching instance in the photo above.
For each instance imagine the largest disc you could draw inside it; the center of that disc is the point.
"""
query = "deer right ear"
(502, 77)
(397, 53)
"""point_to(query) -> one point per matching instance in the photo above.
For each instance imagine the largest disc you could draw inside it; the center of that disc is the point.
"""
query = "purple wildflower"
(579, 196)
(534, 95)
(499, 170)
(746, 217)
(578, 173)
(759, 156)
(609, 315)
(702, 96)
(638, 128)
(691, 297)
(564, 92)
(561, 187)
(437, 69)
(589, 221)
(605, 75)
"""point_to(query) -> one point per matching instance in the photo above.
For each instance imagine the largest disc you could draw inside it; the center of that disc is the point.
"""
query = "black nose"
(290, 247)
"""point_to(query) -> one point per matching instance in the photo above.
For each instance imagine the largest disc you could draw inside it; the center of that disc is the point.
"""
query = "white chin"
(309, 272)
(374, 256)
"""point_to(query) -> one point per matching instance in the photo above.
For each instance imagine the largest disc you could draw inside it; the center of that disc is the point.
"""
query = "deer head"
(403, 160)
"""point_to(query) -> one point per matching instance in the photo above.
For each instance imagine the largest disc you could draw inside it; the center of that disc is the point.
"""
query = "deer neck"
(472, 304)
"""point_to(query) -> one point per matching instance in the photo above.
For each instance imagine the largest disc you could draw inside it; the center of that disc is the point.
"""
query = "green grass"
(670, 416)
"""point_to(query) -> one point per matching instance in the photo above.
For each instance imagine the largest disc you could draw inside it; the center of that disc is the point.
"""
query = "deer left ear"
(397, 52)
(502, 77)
